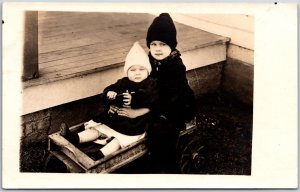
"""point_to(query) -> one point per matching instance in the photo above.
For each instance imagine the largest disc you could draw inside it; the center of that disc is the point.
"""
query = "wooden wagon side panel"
(71, 151)
(121, 158)
(68, 152)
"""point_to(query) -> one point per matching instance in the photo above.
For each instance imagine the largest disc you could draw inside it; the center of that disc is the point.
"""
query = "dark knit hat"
(162, 29)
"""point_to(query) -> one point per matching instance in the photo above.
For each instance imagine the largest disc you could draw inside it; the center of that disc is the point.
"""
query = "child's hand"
(127, 98)
(90, 124)
(111, 95)
(113, 109)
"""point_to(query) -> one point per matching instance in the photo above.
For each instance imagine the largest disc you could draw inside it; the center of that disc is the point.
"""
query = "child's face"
(159, 50)
(137, 73)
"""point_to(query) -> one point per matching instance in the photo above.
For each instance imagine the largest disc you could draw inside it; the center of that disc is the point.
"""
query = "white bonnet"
(137, 56)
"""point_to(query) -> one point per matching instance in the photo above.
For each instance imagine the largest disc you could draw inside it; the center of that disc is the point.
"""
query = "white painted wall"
(239, 28)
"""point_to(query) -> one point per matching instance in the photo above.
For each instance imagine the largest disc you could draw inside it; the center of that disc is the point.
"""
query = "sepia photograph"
(104, 90)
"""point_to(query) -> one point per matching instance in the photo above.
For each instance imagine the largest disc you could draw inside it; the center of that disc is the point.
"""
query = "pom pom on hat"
(162, 29)
(137, 56)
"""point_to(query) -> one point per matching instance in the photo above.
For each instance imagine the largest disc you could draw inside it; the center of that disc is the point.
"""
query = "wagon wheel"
(193, 159)
(54, 165)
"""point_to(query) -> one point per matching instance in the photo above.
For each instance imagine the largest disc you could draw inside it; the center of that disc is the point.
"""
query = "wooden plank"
(71, 151)
(92, 39)
(121, 158)
(85, 61)
(109, 36)
(89, 28)
(72, 20)
(71, 165)
(86, 49)
(71, 35)
(80, 27)
(65, 18)
(127, 161)
(92, 28)
(69, 18)
(105, 20)
(123, 50)
(55, 14)
(53, 84)
(115, 29)
(86, 69)
(194, 43)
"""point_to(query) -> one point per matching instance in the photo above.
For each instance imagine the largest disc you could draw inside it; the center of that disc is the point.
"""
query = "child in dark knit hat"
(136, 90)
(177, 101)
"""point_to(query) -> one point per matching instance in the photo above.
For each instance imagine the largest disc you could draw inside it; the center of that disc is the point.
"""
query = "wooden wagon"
(73, 159)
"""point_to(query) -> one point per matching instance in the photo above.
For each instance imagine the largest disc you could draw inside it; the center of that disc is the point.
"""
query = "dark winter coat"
(144, 95)
(176, 104)
(177, 101)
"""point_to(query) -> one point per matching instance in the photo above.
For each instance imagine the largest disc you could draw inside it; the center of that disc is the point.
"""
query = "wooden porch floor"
(72, 44)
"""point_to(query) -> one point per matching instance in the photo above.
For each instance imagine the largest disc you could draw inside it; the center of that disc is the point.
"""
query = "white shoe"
(90, 124)
(102, 139)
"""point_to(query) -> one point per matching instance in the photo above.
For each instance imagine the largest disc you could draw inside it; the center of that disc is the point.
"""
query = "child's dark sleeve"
(113, 87)
(146, 97)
